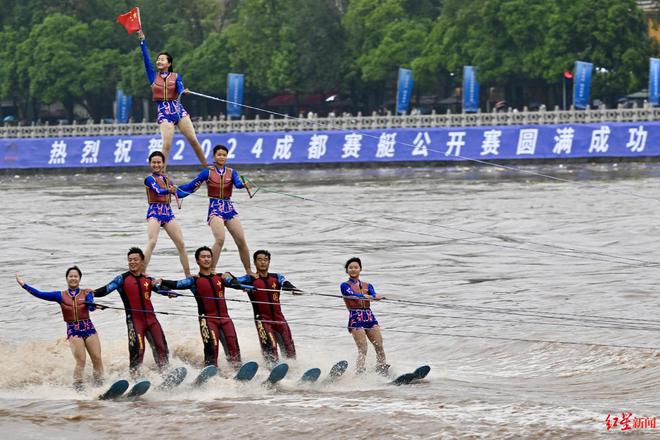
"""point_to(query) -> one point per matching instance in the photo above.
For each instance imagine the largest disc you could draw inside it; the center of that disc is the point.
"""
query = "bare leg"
(174, 231)
(77, 346)
(218, 230)
(376, 339)
(236, 230)
(361, 342)
(167, 135)
(153, 229)
(93, 345)
(187, 129)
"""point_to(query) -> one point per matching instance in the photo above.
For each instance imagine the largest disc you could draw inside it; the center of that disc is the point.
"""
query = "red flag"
(130, 20)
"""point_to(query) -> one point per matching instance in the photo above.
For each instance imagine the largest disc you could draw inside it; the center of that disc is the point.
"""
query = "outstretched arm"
(55, 296)
(238, 282)
(109, 288)
(287, 285)
(192, 186)
(48, 296)
(185, 283)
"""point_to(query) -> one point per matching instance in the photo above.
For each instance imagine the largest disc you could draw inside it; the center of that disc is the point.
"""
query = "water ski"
(409, 378)
(204, 375)
(422, 372)
(140, 387)
(173, 378)
(116, 389)
(247, 371)
(277, 374)
(337, 371)
(311, 375)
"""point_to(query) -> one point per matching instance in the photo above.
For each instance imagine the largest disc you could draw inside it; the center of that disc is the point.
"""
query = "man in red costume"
(264, 292)
(215, 324)
(135, 289)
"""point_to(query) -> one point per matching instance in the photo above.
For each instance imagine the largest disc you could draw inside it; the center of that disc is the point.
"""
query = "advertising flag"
(654, 82)
(582, 84)
(404, 90)
(124, 104)
(235, 94)
(470, 90)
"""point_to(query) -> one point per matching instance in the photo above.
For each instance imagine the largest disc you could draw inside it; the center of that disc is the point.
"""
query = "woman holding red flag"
(166, 87)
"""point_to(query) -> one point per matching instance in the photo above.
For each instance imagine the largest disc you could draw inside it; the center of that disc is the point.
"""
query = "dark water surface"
(540, 296)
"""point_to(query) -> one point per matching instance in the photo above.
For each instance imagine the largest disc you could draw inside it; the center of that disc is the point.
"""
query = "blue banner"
(235, 94)
(654, 82)
(470, 90)
(582, 84)
(404, 90)
(124, 104)
(311, 147)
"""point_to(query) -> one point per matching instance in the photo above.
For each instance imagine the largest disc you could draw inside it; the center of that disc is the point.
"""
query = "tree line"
(73, 52)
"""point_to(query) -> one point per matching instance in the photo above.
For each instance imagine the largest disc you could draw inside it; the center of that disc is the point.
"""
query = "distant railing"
(347, 122)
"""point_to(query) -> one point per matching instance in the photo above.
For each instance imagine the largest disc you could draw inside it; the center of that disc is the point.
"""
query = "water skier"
(215, 324)
(220, 181)
(135, 289)
(159, 213)
(76, 304)
(166, 86)
(362, 323)
(272, 328)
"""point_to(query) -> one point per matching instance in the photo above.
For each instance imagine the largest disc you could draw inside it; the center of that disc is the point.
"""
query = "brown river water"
(540, 318)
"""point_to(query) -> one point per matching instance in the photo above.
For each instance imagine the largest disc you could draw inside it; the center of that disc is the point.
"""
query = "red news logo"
(627, 422)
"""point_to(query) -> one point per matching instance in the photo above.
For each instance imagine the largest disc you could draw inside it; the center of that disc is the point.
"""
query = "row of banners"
(387, 145)
(581, 89)
(581, 86)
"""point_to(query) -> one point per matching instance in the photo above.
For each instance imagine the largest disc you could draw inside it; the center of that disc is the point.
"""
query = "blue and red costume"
(359, 311)
(219, 183)
(272, 328)
(76, 305)
(215, 324)
(159, 198)
(165, 90)
(135, 292)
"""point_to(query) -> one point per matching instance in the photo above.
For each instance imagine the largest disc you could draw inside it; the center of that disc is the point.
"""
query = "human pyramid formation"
(208, 287)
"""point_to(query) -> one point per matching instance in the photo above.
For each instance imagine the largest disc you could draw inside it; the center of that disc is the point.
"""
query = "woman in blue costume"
(76, 304)
(159, 213)
(362, 323)
(166, 86)
(220, 180)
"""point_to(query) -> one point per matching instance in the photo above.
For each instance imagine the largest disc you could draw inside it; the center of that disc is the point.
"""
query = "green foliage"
(612, 34)
(381, 37)
(56, 48)
(286, 44)
(10, 84)
(73, 51)
(207, 66)
(524, 41)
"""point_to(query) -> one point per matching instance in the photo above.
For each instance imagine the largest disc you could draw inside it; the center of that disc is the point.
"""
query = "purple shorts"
(81, 329)
(361, 318)
(161, 212)
(170, 111)
(222, 208)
